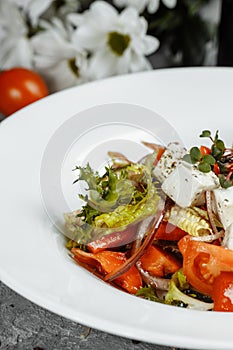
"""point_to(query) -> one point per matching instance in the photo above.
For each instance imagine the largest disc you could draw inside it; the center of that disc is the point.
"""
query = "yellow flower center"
(118, 42)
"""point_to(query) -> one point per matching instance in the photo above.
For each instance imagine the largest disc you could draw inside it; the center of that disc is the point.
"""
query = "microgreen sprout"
(218, 146)
(205, 162)
(216, 158)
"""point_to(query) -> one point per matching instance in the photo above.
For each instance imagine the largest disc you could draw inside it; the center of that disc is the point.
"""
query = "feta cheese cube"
(223, 205)
(228, 238)
(186, 185)
(169, 160)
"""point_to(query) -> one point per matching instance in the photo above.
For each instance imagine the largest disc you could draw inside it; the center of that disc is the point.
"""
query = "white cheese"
(186, 185)
(169, 160)
(228, 237)
(223, 205)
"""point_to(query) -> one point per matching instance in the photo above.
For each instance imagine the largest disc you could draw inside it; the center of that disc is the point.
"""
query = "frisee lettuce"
(113, 201)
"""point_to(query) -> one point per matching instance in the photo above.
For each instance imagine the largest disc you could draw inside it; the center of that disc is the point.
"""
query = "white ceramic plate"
(33, 260)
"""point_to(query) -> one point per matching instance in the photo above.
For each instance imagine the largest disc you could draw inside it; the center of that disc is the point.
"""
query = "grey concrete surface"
(26, 326)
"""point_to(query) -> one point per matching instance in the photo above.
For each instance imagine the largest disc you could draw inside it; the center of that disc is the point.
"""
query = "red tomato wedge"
(169, 232)
(113, 240)
(108, 261)
(203, 262)
(205, 150)
(158, 262)
(223, 292)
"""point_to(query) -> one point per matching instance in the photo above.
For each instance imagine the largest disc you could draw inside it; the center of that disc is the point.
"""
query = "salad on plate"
(161, 228)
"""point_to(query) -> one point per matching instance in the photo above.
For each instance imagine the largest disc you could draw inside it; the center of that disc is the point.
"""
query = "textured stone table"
(26, 326)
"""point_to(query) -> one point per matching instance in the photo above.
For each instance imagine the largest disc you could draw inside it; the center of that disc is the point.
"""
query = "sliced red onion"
(210, 213)
(147, 242)
(151, 145)
(141, 232)
(153, 281)
(208, 238)
(119, 157)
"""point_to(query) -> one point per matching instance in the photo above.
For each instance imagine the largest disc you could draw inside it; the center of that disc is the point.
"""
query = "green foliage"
(183, 31)
(148, 293)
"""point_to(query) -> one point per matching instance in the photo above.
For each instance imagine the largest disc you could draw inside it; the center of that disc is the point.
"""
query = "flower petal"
(36, 8)
(139, 63)
(59, 76)
(151, 44)
(102, 64)
(90, 39)
(139, 5)
(15, 46)
(153, 6)
(170, 3)
(104, 10)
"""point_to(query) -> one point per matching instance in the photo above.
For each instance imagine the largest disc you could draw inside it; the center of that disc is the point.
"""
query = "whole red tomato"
(18, 88)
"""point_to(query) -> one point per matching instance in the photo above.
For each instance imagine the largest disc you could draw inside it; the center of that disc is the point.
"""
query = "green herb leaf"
(205, 133)
(222, 167)
(207, 158)
(224, 182)
(204, 167)
(220, 145)
(216, 152)
(195, 154)
(187, 158)
(216, 136)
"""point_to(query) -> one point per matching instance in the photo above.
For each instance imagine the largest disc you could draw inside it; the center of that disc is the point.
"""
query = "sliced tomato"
(203, 262)
(113, 240)
(205, 150)
(223, 292)
(158, 262)
(108, 261)
(216, 169)
(169, 232)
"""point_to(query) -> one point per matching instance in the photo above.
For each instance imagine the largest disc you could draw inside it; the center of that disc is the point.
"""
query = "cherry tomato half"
(216, 169)
(205, 150)
(18, 88)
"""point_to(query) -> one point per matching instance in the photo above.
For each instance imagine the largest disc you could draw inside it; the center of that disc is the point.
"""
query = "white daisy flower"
(33, 8)
(14, 42)
(151, 5)
(117, 42)
(59, 58)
